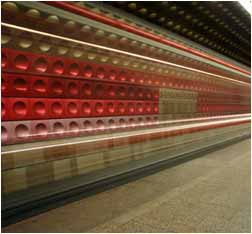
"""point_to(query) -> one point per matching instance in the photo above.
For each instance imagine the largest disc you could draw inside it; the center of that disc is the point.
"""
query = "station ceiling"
(220, 26)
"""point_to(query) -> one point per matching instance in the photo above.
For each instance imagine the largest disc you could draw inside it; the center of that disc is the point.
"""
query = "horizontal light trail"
(137, 133)
(158, 122)
(121, 52)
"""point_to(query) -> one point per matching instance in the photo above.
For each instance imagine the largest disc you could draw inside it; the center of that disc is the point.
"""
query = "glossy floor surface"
(208, 194)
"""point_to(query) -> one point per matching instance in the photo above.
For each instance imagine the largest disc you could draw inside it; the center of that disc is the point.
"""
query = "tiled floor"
(208, 194)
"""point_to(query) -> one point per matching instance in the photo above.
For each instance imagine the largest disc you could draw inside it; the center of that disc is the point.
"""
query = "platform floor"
(207, 194)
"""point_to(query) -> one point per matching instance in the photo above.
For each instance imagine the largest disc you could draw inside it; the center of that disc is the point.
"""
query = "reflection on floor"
(207, 194)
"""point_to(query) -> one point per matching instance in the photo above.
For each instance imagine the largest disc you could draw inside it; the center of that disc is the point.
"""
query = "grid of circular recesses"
(153, 15)
(27, 131)
(56, 92)
(51, 108)
(222, 99)
(76, 30)
(220, 103)
(31, 42)
(231, 108)
(51, 129)
(90, 33)
(19, 61)
(179, 18)
(23, 85)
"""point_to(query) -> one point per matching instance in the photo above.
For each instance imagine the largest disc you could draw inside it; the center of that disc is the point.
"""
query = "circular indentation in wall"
(4, 133)
(148, 94)
(100, 124)
(57, 108)
(104, 59)
(124, 41)
(33, 13)
(99, 108)
(10, 7)
(39, 108)
(40, 65)
(122, 76)
(111, 108)
(53, 19)
(21, 62)
(148, 107)
(5, 39)
(20, 108)
(91, 56)
(77, 53)
(156, 94)
(111, 123)
(62, 50)
(70, 26)
(86, 108)
(111, 91)
(74, 69)
(86, 29)
(132, 122)
(140, 107)
(112, 37)
(3, 84)
(20, 85)
(132, 79)
(126, 63)
(99, 33)
(112, 75)
(155, 108)
(74, 126)
(122, 92)
(3, 61)
(100, 73)
(88, 72)
(21, 131)
(25, 43)
(87, 90)
(99, 90)
(43, 46)
(41, 129)
(58, 127)
(57, 88)
(140, 120)
(121, 108)
(115, 61)
(72, 108)
(58, 67)
(131, 92)
(141, 80)
(149, 81)
(73, 88)
(87, 125)
(3, 109)
(131, 108)
(39, 86)
(140, 93)
(122, 123)
(148, 120)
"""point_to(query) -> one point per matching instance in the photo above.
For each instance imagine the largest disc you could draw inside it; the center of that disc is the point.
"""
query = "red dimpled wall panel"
(52, 90)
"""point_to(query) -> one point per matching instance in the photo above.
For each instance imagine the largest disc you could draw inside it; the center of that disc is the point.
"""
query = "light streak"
(121, 52)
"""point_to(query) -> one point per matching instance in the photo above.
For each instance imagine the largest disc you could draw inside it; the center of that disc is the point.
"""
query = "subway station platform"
(211, 193)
